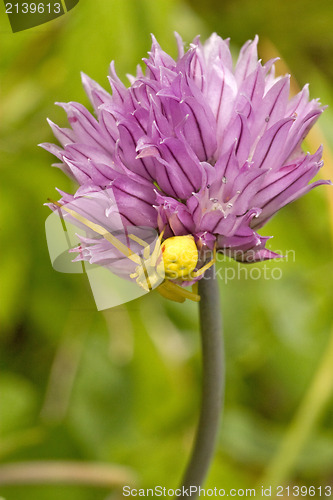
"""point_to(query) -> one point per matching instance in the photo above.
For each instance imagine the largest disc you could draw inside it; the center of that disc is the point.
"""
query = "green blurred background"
(122, 387)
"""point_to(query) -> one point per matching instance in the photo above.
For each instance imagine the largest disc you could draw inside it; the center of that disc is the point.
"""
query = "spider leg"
(157, 250)
(102, 231)
(138, 240)
(167, 294)
(149, 273)
(203, 269)
(146, 251)
(146, 273)
(178, 292)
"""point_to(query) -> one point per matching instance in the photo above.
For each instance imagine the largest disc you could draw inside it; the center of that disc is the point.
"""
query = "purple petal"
(286, 185)
(97, 95)
(270, 151)
(86, 129)
(221, 91)
(247, 60)
(64, 135)
(134, 202)
(216, 51)
(272, 107)
(129, 134)
(174, 217)
(179, 173)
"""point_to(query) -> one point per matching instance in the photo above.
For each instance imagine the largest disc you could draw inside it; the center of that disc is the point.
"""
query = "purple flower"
(193, 146)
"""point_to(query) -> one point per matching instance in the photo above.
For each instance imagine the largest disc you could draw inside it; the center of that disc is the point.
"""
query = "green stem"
(212, 384)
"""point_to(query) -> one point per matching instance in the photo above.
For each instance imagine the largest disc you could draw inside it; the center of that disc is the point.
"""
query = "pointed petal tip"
(66, 106)
(51, 124)
(113, 72)
(87, 82)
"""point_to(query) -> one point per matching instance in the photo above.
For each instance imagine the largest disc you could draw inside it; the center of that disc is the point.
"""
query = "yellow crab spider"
(179, 259)
(174, 258)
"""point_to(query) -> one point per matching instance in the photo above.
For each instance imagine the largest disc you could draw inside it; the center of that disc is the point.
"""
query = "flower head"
(193, 146)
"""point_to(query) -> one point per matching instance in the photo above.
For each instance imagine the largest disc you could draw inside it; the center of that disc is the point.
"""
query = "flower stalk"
(212, 382)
